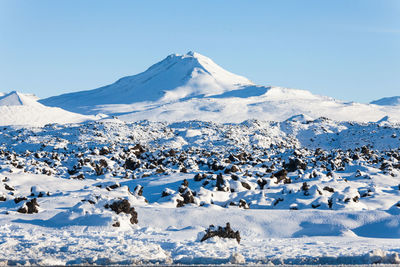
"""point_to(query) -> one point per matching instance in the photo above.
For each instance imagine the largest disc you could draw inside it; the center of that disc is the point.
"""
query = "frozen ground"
(301, 191)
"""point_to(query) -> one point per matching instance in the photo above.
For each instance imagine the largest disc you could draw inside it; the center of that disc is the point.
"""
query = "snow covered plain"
(301, 191)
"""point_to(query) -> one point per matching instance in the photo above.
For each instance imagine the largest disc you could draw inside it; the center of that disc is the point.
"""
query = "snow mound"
(23, 109)
(387, 101)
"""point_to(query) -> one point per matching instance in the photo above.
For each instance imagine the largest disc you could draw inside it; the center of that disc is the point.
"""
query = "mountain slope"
(193, 87)
(22, 109)
(277, 104)
(388, 101)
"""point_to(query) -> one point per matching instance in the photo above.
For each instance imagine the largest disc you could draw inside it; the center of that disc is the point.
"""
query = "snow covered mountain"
(193, 87)
(23, 109)
(175, 78)
(388, 101)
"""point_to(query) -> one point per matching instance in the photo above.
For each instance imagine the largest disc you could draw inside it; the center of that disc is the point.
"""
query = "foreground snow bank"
(73, 227)
(95, 246)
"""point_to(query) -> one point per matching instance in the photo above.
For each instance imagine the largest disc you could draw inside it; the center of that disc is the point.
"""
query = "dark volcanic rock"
(19, 199)
(294, 165)
(280, 175)
(246, 185)
(221, 183)
(261, 183)
(131, 164)
(30, 207)
(198, 177)
(186, 194)
(223, 232)
(243, 204)
(7, 187)
(125, 207)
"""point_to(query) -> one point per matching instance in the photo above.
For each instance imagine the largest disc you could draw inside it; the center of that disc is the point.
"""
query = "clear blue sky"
(347, 49)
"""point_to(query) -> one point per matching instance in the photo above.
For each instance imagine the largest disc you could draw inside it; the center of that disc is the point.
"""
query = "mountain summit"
(174, 78)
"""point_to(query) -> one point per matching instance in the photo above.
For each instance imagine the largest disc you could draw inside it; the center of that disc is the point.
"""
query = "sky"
(347, 49)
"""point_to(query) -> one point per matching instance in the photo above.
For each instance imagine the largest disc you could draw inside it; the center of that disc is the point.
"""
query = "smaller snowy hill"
(18, 99)
(23, 109)
(387, 101)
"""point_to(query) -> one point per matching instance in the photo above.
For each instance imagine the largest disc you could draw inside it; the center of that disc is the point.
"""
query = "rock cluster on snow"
(30, 207)
(123, 206)
(223, 232)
